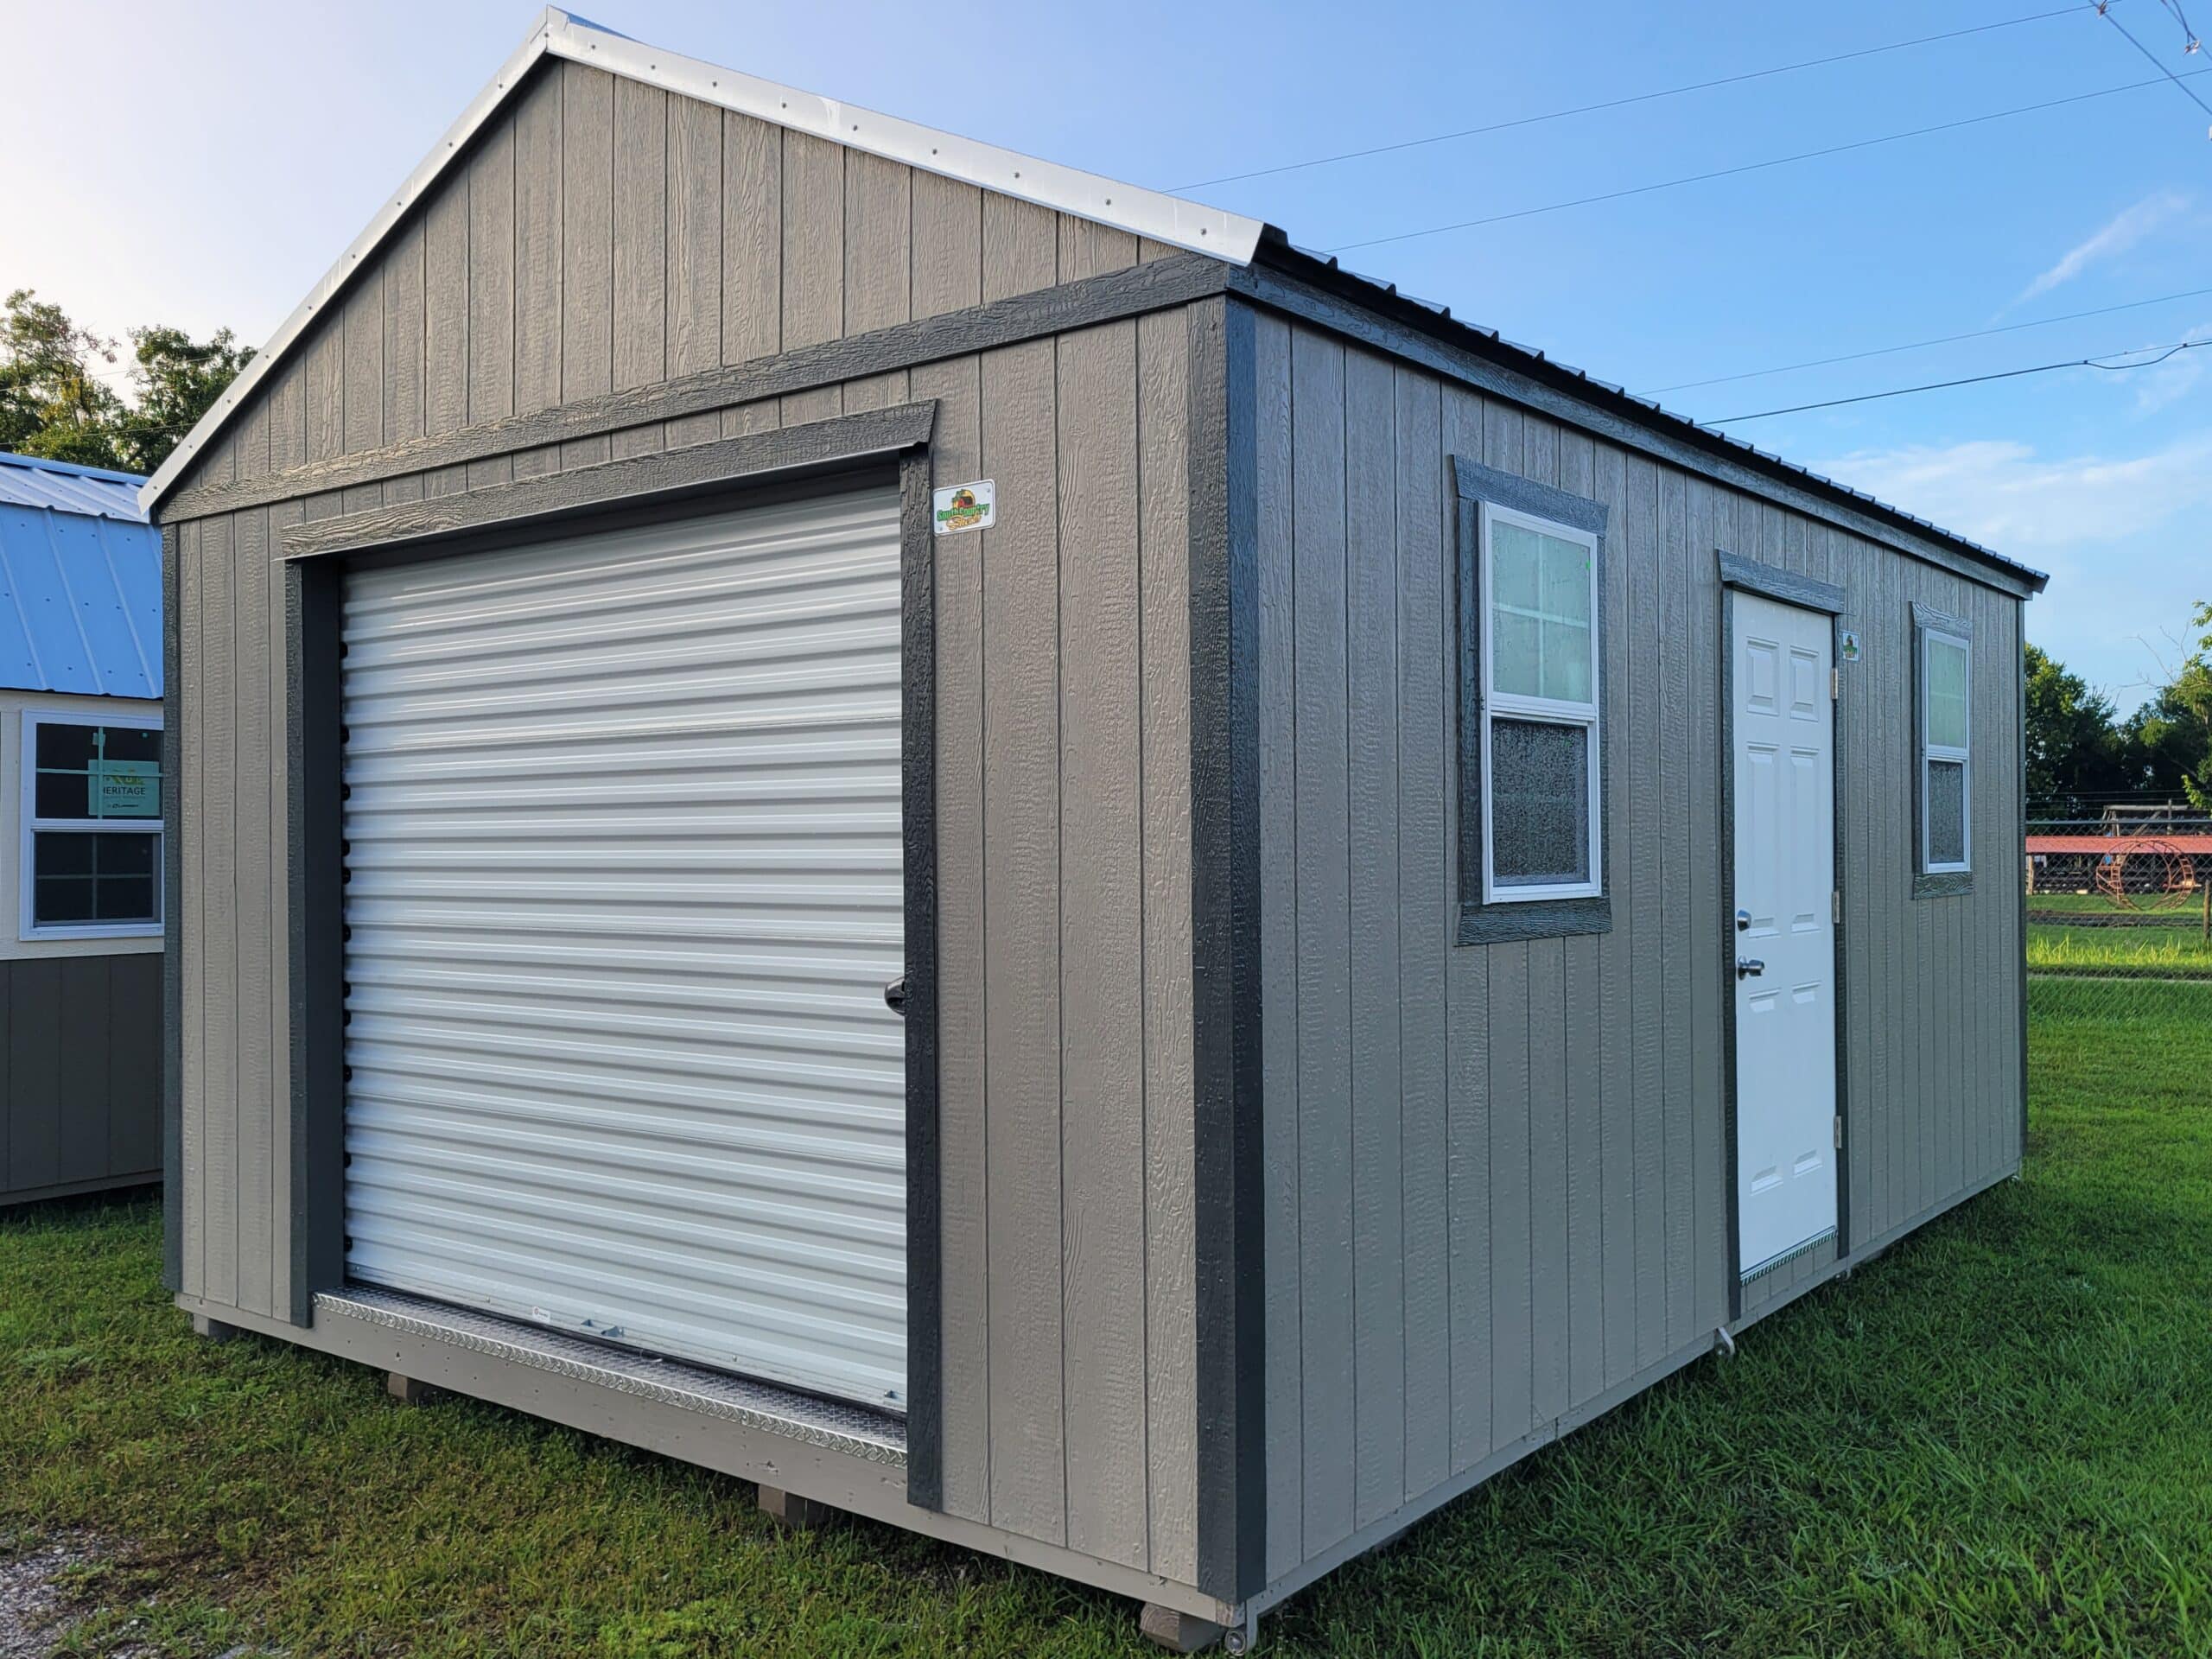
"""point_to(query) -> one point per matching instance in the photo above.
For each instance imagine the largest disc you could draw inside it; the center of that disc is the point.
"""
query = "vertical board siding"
(1497, 1179)
(79, 1073)
(601, 235)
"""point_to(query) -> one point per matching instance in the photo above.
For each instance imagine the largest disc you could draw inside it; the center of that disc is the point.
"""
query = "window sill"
(1538, 918)
(93, 931)
(1946, 884)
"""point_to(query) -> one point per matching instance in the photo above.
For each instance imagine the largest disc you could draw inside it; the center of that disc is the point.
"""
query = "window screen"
(1540, 804)
(1946, 812)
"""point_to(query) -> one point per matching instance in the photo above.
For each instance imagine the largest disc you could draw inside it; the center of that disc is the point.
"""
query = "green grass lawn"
(2179, 950)
(1997, 1439)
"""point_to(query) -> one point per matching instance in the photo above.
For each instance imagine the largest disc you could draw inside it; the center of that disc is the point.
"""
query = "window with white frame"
(92, 826)
(1532, 708)
(1945, 748)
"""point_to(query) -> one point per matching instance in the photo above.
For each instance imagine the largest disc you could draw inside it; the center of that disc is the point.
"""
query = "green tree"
(177, 377)
(2174, 730)
(2074, 747)
(52, 405)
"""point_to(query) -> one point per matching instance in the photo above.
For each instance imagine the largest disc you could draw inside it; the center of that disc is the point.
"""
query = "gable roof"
(1234, 239)
(558, 34)
(81, 581)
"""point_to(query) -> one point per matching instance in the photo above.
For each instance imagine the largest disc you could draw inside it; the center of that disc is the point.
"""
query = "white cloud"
(2120, 232)
(2174, 378)
(2005, 494)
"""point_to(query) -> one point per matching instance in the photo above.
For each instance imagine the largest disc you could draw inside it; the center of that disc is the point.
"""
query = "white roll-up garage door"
(623, 893)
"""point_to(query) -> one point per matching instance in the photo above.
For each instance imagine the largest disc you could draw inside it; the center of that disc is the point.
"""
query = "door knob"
(1743, 921)
(894, 997)
(1749, 967)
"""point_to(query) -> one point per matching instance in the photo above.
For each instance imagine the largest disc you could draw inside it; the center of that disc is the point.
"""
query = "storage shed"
(980, 845)
(80, 832)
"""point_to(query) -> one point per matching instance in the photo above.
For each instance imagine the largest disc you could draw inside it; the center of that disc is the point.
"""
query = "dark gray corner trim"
(172, 921)
(1152, 286)
(841, 439)
(1769, 582)
(1232, 1360)
(1661, 436)
(1475, 482)
(1935, 884)
(1928, 619)
(316, 911)
(2020, 773)
(1505, 923)
(925, 1232)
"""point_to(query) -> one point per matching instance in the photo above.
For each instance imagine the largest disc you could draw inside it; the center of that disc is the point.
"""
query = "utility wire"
(1922, 345)
(1623, 103)
(2164, 352)
(1757, 167)
(2188, 92)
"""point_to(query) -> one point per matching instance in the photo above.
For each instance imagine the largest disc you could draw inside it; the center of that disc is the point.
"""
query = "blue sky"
(237, 148)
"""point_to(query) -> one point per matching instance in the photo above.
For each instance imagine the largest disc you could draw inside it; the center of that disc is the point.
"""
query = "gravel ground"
(32, 1618)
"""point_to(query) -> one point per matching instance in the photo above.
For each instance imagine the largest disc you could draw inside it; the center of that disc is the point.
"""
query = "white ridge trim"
(1229, 236)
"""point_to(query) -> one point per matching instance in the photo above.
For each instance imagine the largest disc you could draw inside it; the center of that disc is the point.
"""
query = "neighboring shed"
(80, 831)
(1292, 778)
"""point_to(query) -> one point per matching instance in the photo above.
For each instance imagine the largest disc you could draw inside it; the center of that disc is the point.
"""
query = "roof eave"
(1276, 250)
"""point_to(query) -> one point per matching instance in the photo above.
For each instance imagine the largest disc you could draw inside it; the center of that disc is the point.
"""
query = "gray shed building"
(80, 832)
(1424, 893)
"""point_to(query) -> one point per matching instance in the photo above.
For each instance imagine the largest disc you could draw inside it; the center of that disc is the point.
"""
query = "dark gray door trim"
(716, 478)
(842, 441)
(1771, 581)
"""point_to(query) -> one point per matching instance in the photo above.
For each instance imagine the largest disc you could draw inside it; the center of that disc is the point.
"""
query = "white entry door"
(624, 887)
(1784, 934)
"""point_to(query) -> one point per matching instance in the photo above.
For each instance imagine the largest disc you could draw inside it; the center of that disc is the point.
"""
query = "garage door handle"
(1749, 967)
(894, 997)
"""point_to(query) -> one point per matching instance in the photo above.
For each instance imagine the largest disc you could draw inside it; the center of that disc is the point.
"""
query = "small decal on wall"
(966, 506)
(1849, 644)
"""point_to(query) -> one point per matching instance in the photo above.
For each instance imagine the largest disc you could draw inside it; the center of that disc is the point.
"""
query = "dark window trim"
(845, 452)
(1771, 581)
(1498, 923)
(1926, 883)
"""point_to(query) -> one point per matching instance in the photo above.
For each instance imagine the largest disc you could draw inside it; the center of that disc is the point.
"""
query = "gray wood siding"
(1496, 1182)
(1065, 932)
(81, 1074)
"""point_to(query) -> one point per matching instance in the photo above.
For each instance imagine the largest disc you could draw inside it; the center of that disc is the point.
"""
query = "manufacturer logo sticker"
(966, 506)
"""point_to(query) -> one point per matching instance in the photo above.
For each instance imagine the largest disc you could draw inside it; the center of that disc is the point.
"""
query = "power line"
(2188, 92)
(2164, 352)
(1939, 340)
(1623, 103)
(1757, 167)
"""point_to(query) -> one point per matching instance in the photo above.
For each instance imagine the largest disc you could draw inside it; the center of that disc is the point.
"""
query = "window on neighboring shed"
(92, 828)
(1945, 786)
(1531, 710)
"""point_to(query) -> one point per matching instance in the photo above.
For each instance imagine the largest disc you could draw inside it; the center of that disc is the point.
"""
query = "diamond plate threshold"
(851, 1429)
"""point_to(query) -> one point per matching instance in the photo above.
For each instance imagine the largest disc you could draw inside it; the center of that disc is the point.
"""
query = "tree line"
(2081, 754)
(56, 404)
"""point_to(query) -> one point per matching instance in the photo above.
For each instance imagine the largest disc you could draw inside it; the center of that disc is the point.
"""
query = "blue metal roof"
(81, 581)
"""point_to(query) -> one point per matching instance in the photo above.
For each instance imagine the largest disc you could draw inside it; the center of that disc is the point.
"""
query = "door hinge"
(1836, 906)
(1839, 1131)
(1835, 685)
